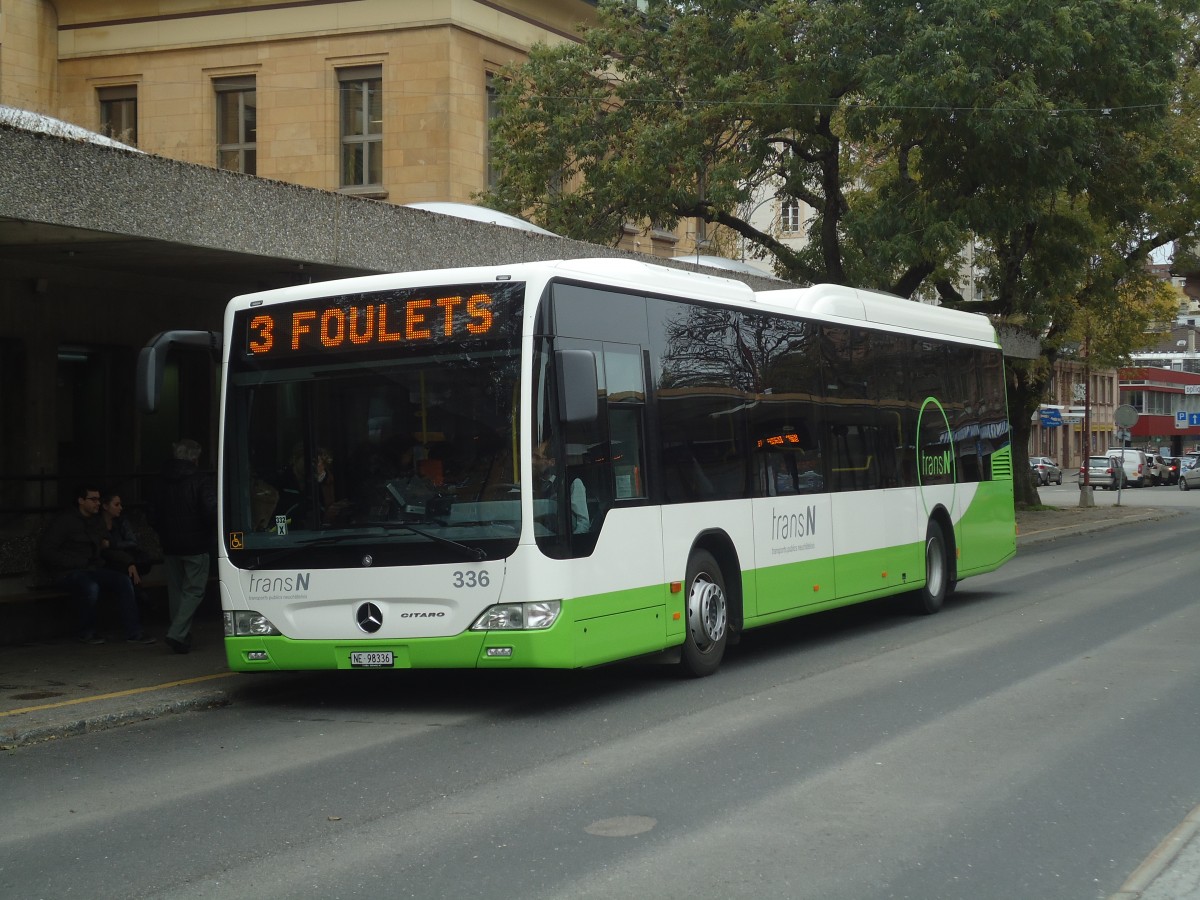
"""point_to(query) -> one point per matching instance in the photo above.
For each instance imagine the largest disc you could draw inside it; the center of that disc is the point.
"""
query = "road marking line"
(114, 694)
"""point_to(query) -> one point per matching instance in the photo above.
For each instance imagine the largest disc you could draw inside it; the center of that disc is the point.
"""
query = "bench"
(33, 612)
(33, 609)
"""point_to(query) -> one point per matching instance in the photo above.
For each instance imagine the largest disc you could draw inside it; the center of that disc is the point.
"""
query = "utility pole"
(1085, 495)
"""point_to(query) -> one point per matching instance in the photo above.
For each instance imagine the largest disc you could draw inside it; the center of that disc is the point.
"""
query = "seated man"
(546, 488)
(73, 548)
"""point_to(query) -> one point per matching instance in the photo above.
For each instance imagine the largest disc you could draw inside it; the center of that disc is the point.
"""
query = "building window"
(362, 125)
(118, 113)
(237, 124)
(492, 113)
(789, 217)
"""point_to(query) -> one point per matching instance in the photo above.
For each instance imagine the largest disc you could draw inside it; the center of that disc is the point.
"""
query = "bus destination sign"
(366, 321)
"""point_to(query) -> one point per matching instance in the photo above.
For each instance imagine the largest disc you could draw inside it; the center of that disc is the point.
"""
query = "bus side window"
(850, 411)
(854, 457)
(625, 432)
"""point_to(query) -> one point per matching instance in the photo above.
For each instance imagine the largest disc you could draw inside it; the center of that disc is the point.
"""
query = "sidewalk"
(55, 688)
(59, 687)
(1041, 525)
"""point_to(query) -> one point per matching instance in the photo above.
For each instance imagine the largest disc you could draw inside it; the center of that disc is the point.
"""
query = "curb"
(1067, 530)
(1160, 859)
(10, 739)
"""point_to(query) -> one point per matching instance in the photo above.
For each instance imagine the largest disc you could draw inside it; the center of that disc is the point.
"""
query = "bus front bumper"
(471, 650)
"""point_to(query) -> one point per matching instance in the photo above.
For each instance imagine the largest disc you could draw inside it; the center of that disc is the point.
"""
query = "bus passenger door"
(793, 531)
(793, 550)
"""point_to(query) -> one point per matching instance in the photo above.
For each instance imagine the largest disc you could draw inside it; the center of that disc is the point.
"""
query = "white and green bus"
(565, 464)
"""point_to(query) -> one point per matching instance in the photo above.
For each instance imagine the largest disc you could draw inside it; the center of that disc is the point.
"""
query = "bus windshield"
(396, 454)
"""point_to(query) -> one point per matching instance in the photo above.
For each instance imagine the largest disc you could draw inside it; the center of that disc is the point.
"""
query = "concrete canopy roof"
(84, 205)
(48, 245)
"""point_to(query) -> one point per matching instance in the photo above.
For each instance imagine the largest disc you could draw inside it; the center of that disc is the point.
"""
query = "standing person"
(73, 550)
(185, 508)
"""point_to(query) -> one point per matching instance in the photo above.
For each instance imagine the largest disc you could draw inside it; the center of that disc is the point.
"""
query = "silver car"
(1103, 472)
(1045, 470)
(1189, 473)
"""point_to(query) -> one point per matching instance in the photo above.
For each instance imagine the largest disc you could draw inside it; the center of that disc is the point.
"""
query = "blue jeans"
(85, 586)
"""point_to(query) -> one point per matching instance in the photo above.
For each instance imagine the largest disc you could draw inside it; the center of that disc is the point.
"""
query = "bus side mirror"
(577, 386)
(152, 362)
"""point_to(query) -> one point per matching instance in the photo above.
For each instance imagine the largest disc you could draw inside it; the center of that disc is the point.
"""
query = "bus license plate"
(371, 659)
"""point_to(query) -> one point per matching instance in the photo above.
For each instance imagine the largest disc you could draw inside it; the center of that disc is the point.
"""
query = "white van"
(1137, 467)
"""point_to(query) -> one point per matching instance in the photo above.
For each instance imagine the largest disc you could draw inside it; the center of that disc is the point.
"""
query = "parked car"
(1163, 469)
(1045, 469)
(1189, 473)
(1103, 473)
(1137, 470)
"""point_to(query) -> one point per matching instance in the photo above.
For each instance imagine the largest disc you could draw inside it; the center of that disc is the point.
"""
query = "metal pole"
(1085, 495)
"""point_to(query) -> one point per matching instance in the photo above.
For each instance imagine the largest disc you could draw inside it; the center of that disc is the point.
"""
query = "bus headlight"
(519, 616)
(248, 622)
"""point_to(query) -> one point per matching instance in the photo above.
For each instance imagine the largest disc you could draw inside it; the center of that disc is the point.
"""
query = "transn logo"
(937, 465)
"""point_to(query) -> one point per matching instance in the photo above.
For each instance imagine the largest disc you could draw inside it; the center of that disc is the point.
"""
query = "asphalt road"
(1036, 739)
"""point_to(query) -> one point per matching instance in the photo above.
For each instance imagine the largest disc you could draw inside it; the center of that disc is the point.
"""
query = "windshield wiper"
(476, 553)
(284, 552)
(274, 556)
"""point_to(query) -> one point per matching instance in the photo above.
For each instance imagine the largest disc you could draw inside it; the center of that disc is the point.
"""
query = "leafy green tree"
(1057, 138)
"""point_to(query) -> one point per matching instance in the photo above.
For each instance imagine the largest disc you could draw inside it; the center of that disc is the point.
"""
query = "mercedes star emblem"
(369, 618)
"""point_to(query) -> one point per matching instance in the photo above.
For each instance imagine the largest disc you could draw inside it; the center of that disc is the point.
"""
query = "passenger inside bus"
(298, 483)
(415, 487)
(546, 489)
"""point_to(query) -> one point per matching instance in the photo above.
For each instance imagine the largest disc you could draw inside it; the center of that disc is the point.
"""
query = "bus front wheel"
(707, 616)
(929, 599)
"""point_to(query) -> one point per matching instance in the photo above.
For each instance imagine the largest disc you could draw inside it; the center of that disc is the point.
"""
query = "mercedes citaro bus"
(564, 464)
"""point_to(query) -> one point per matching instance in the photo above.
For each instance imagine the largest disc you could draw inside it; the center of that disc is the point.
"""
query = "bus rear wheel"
(707, 616)
(928, 600)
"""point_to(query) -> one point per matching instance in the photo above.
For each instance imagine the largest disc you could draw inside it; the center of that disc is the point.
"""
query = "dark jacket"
(121, 535)
(71, 542)
(123, 547)
(185, 509)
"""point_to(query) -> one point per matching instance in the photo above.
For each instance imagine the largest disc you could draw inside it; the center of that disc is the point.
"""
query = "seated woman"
(121, 549)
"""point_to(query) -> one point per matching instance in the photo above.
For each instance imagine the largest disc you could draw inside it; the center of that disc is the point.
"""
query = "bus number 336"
(471, 579)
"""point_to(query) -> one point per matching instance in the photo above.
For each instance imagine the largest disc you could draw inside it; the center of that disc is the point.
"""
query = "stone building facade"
(1068, 394)
(374, 98)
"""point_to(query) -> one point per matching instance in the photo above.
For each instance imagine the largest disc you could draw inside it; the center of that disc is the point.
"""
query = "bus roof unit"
(644, 276)
(840, 302)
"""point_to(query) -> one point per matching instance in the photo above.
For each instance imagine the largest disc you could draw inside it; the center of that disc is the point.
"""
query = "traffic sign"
(1125, 416)
(1050, 418)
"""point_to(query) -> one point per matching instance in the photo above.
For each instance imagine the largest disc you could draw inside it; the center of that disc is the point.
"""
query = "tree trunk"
(1027, 383)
